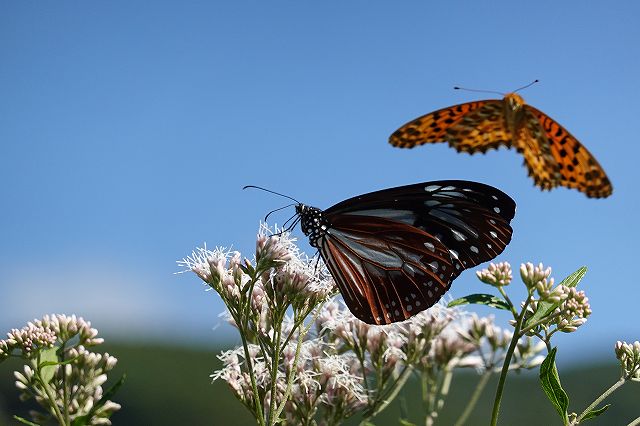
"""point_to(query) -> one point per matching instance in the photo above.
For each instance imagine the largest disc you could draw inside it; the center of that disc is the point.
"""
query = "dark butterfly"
(395, 252)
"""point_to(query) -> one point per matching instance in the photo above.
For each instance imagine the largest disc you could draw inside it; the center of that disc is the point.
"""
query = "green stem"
(539, 322)
(506, 298)
(507, 361)
(303, 332)
(243, 326)
(636, 422)
(440, 396)
(484, 379)
(65, 389)
(50, 396)
(599, 399)
(275, 361)
(393, 391)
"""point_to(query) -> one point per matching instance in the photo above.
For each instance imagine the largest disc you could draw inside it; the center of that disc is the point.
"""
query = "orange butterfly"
(553, 156)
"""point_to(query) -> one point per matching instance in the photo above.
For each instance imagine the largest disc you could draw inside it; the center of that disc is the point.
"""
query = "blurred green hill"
(171, 386)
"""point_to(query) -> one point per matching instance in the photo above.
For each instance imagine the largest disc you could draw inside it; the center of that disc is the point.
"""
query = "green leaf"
(481, 299)
(25, 421)
(405, 422)
(573, 279)
(550, 381)
(595, 413)
(545, 308)
(48, 362)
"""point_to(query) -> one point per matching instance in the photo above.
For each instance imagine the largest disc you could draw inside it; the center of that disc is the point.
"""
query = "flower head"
(497, 275)
(531, 274)
(629, 356)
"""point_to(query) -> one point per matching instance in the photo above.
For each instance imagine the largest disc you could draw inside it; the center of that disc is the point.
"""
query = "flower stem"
(50, 396)
(393, 391)
(599, 399)
(636, 422)
(506, 298)
(275, 361)
(65, 388)
(243, 326)
(484, 379)
(507, 361)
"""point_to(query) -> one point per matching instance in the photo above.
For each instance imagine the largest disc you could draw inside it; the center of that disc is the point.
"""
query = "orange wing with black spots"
(432, 128)
(552, 155)
(480, 130)
(576, 167)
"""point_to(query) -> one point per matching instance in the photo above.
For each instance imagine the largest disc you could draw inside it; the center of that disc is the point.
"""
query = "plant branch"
(507, 361)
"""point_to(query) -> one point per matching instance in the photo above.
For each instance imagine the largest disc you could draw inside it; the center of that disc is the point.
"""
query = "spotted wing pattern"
(395, 252)
(539, 160)
(481, 130)
(432, 128)
(386, 271)
(552, 155)
(575, 166)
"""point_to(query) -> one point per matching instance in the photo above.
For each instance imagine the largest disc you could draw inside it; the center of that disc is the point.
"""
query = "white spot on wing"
(431, 188)
(474, 249)
(496, 209)
(459, 236)
(493, 234)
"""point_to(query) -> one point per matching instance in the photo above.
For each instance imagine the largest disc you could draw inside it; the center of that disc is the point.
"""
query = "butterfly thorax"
(513, 111)
(313, 223)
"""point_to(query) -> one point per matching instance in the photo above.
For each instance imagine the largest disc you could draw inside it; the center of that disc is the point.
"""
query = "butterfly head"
(514, 101)
(313, 223)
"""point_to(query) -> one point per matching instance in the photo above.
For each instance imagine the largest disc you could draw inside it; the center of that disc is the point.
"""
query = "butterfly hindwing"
(534, 145)
(576, 166)
(480, 130)
(387, 271)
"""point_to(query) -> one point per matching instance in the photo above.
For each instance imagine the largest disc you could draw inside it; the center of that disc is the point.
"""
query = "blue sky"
(127, 130)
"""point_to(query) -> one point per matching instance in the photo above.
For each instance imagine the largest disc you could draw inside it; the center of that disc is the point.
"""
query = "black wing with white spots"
(471, 219)
(395, 252)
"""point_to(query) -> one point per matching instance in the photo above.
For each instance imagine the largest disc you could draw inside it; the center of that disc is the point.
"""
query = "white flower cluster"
(287, 276)
(497, 275)
(629, 356)
(76, 386)
(45, 332)
(571, 306)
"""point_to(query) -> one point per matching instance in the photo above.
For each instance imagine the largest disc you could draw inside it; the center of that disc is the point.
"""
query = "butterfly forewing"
(431, 128)
(387, 271)
(471, 219)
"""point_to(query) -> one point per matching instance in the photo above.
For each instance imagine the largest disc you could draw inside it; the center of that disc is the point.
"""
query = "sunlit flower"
(629, 356)
(531, 274)
(497, 275)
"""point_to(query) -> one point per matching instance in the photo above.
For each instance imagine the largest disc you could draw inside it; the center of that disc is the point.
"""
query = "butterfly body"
(552, 155)
(395, 252)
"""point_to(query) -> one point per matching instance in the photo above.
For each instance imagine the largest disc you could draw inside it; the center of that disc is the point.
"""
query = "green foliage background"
(171, 386)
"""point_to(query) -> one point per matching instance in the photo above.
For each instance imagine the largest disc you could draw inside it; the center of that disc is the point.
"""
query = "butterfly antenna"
(273, 211)
(273, 192)
(479, 91)
(528, 85)
(293, 224)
